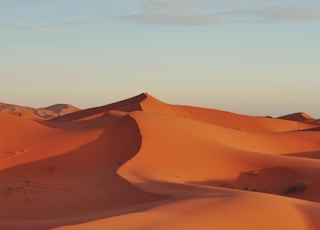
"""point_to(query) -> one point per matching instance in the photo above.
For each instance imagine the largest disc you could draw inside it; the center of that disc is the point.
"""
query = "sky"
(257, 57)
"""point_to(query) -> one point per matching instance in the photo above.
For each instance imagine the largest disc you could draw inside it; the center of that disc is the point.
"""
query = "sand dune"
(41, 113)
(301, 117)
(143, 164)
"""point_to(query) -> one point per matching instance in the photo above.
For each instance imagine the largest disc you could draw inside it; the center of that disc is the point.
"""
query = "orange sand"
(144, 164)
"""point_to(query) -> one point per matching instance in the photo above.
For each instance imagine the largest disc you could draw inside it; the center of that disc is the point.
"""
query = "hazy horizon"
(249, 57)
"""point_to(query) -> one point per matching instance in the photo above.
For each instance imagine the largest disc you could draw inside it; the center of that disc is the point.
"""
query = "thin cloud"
(160, 12)
(87, 21)
(274, 14)
(294, 13)
(172, 19)
(205, 12)
(187, 12)
(22, 26)
(174, 12)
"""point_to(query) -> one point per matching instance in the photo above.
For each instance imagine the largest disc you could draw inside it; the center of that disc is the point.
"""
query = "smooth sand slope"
(144, 164)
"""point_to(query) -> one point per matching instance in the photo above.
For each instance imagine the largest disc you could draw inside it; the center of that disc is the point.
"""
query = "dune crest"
(141, 163)
(222, 118)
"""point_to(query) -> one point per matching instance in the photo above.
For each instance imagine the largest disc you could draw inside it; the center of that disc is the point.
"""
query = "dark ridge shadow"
(127, 105)
(181, 191)
(315, 129)
(310, 155)
(93, 123)
(75, 187)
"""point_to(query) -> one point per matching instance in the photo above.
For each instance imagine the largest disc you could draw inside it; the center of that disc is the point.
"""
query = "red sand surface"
(144, 164)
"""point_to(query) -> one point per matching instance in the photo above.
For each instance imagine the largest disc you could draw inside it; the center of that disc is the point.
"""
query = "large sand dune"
(144, 164)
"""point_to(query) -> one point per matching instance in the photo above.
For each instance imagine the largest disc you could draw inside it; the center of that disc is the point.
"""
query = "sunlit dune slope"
(193, 151)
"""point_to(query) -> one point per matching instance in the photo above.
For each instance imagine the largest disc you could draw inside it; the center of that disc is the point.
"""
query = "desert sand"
(143, 164)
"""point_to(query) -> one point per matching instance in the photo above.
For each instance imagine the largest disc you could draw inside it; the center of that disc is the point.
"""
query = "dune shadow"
(310, 155)
(314, 129)
(185, 190)
(310, 214)
(283, 181)
(77, 186)
(127, 105)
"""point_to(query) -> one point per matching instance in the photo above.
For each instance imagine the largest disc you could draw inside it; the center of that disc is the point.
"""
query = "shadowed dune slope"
(65, 173)
(128, 105)
(300, 117)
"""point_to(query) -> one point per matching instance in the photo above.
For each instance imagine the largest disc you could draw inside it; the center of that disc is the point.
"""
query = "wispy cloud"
(205, 12)
(164, 12)
(174, 12)
(172, 19)
(289, 13)
(23, 26)
(87, 21)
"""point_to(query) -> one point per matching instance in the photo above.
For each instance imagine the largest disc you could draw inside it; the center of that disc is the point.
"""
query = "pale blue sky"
(256, 57)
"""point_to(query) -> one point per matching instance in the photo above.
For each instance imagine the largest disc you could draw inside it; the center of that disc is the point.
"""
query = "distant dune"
(301, 117)
(43, 113)
(141, 163)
